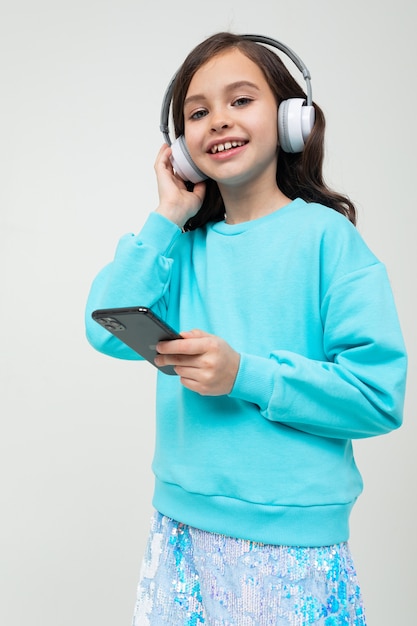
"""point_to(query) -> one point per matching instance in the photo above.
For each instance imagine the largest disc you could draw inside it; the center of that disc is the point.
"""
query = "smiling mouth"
(228, 145)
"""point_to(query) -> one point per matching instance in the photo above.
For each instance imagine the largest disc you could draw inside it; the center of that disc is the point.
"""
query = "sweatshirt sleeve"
(358, 390)
(138, 275)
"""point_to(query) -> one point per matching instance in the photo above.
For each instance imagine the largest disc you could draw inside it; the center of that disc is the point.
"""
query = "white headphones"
(295, 118)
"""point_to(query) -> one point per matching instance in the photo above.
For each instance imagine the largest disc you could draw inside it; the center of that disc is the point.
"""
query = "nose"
(220, 120)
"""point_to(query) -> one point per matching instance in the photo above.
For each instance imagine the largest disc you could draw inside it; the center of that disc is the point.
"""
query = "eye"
(197, 115)
(242, 101)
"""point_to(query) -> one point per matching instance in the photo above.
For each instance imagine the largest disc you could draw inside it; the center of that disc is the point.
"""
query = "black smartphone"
(139, 328)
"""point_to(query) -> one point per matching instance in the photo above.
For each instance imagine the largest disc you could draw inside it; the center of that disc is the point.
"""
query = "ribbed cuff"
(158, 232)
(255, 380)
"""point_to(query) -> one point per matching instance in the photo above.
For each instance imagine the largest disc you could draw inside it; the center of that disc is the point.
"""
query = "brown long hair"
(298, 175)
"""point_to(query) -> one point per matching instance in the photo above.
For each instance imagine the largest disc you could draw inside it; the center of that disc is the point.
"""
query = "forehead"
(227, 67)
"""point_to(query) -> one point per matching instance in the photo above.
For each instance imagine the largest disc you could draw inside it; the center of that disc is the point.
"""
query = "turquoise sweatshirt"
(310, 310)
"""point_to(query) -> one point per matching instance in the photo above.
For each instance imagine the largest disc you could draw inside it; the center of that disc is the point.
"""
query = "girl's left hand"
(205, 363)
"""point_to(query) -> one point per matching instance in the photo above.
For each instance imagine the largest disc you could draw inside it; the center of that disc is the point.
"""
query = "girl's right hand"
(176, 203)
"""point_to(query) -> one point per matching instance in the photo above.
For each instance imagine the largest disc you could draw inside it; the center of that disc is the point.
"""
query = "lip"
(224, 140)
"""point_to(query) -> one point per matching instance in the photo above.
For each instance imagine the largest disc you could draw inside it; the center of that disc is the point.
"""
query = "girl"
(296, 350)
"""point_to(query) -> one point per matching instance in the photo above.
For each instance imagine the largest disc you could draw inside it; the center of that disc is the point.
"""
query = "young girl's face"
(230, 117)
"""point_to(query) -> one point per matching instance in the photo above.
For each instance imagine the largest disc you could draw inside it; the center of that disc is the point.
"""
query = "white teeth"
(220, 147)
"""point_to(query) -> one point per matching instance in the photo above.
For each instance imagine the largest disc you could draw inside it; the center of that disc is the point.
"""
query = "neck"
(243, 205)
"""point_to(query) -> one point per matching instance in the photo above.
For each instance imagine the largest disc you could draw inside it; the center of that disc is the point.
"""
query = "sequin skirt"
(191, 577)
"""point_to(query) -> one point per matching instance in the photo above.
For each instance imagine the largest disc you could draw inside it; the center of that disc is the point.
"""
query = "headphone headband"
(274, 43)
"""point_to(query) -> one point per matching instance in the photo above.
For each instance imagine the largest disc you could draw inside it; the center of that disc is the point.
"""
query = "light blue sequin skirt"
(191, 577)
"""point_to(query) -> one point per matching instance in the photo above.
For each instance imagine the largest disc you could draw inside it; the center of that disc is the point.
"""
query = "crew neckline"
(224, 228)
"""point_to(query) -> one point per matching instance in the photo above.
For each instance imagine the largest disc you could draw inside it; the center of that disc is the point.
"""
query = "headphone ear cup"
(295, 122)
(183, 164)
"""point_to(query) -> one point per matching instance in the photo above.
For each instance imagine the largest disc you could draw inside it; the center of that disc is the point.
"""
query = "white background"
(81, 87)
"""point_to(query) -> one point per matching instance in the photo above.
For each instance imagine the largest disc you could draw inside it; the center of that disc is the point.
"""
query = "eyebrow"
(237, 85)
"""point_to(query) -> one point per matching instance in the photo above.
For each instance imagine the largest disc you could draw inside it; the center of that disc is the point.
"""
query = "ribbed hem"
(310, 526)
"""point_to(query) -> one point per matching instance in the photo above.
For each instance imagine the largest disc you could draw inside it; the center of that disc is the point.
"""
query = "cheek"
(269, 134)
(193, 142)
(274, 128)
(190, 136)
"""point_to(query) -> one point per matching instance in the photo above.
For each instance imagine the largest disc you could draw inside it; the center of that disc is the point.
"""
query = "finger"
(164, 172)
(193, 382)
(190, 384)
(161, 151)
(200, 190)
(169, 347)
(185, 362)
(187, 345)
(163, 158)
(196, 332)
